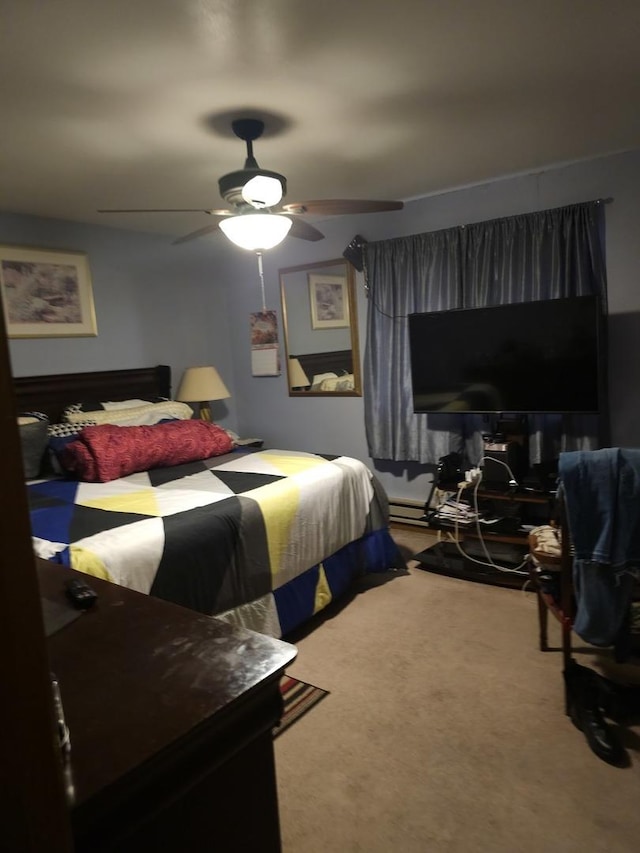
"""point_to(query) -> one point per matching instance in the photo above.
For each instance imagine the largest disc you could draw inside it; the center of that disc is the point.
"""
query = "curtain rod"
(607, 200)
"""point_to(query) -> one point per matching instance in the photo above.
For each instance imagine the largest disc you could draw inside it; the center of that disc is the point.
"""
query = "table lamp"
(201, 385)
(297, 377)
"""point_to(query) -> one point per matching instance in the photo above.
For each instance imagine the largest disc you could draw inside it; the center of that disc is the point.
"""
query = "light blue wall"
(155, 304)
(190, 304)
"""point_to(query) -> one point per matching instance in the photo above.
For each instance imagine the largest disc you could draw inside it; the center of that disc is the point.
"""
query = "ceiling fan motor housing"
(231, 185)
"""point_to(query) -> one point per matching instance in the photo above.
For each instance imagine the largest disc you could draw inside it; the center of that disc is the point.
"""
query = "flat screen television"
(526, 357)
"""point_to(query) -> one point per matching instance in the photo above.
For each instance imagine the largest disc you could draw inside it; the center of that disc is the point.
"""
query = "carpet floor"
(446, 730)
(299, 697)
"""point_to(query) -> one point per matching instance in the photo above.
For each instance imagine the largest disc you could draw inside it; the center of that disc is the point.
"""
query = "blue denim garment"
(626, 548)
(602, 600)
(590, 482)
(602, 499)
(602, 496)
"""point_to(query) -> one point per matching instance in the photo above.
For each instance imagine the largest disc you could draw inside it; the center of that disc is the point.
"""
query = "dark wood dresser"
(170, 716)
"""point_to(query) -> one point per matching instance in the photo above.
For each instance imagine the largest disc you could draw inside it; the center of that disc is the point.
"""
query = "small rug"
(299, 697)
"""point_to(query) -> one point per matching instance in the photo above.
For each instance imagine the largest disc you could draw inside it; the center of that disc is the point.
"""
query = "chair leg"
(543, 621)
(566, 641)
(622, 645)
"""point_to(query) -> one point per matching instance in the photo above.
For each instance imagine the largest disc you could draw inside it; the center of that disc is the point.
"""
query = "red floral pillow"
(107, 451)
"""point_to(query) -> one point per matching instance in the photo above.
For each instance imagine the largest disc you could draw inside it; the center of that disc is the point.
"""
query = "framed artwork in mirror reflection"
(329, 299)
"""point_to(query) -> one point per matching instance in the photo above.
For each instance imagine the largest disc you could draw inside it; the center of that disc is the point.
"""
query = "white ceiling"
(119, 103)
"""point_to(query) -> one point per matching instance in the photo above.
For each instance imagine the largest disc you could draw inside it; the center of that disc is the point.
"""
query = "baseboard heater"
(405, 511)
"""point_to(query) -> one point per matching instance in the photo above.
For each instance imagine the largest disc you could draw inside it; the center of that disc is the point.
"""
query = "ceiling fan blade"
(341, 206)
(199, 233)
(152, 210)
(300, 228)
(167, 210)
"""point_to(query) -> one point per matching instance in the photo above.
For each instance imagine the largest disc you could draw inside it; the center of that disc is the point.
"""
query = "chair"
(595, 545)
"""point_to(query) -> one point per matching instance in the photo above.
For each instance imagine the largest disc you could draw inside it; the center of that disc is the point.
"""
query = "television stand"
(519, 510)
(443, 558)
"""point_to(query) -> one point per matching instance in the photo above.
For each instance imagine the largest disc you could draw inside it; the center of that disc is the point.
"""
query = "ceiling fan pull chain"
(261, 274)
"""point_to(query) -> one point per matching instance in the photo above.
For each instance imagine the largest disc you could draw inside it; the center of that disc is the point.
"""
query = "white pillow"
(92, 406)
(320, 377)
(340, 383)
(126, 404)
(149, 414)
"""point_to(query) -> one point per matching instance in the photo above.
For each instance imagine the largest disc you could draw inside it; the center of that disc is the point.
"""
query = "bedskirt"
(294, 603)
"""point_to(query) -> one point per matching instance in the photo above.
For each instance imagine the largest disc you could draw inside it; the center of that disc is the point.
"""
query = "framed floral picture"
(329, 300)
(46, 293)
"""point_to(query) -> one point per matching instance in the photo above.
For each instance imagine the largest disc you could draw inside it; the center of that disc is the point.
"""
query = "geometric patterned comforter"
(262, 538)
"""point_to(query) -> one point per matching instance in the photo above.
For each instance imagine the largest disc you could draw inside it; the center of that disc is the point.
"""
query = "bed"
(262, 538)
(329, 371)
(314, 363)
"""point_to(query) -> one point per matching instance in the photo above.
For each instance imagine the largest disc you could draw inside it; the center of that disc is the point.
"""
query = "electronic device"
(449, 470)
(545, 356)
(80, 594)
(503, 463)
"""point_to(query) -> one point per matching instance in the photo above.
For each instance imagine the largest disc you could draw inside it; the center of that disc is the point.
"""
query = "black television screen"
(524, 357)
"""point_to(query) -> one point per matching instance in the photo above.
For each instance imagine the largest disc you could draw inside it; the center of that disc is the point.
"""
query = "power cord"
(490, 563)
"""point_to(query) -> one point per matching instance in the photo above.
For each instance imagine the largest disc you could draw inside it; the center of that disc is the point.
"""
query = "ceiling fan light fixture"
(256, 231)
(262, 191)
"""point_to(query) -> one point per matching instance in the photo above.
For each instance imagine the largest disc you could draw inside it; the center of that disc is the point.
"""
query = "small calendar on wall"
(265, 353)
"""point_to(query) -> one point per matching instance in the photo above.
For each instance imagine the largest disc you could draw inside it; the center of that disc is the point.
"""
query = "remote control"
(80, 594)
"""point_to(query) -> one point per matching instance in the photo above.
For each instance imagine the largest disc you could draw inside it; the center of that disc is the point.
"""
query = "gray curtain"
(543, 255)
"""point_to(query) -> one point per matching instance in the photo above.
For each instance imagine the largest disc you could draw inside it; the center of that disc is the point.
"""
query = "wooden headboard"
(51, 394)
(339, 362)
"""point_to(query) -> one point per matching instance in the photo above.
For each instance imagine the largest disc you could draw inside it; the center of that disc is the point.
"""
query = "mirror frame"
(353, 327)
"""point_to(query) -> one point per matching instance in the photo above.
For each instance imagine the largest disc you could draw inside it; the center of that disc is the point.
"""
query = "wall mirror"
(321, 329)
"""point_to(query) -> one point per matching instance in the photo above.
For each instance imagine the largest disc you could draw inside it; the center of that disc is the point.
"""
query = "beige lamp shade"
(201, 385)
(297, 377)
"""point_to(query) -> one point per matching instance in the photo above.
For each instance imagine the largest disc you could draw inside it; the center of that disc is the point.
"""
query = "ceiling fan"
(256, 219)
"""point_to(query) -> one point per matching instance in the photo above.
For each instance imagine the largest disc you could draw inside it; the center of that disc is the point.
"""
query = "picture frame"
(46, 293)
(329, 299)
